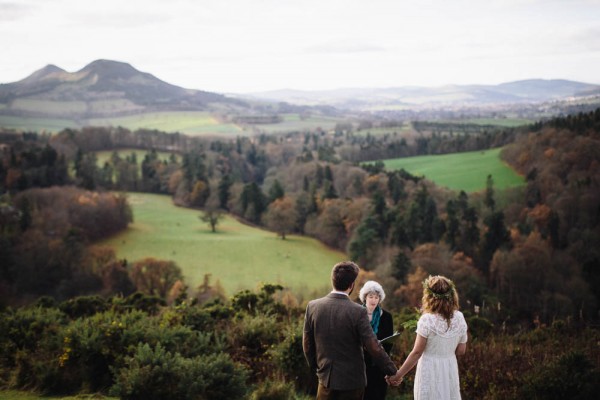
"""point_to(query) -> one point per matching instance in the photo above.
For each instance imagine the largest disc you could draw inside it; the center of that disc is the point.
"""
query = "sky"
(241, 46)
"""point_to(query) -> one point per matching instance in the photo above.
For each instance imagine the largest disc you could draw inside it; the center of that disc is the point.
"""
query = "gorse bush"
(289, 358)
(154, 373)
(572, 376)
(214, 351)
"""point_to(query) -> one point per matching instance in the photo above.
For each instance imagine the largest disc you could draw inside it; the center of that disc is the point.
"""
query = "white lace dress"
(437, 370)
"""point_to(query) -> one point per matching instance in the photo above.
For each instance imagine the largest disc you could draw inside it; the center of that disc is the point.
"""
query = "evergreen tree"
(452, 224)
(401, 266)
(495, 237)
(223, 191)
(276, 191)
(488, 200)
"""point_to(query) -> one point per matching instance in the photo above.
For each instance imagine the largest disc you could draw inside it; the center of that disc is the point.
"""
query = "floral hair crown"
(445, 295)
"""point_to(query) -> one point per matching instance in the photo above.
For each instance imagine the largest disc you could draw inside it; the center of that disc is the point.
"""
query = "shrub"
(289, 359)
(30, 345)
(479, 327)
(154, 373)
(83, 306)
(273, 390)
(572, 376)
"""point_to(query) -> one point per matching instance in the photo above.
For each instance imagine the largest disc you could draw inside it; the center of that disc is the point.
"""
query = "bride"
(441, 336)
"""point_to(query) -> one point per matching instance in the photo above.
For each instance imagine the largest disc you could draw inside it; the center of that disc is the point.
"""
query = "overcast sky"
(255, 45)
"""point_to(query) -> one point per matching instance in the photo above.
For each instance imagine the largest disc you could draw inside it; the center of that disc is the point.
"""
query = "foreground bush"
(570, 377)
(154, 373)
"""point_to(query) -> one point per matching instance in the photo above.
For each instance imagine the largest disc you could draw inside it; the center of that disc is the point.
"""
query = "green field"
(461, 171)
(240, 256)
(190, 123)
(193, 123)
(36, 124)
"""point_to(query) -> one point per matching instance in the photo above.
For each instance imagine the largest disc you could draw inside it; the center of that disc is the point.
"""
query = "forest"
(78, 319)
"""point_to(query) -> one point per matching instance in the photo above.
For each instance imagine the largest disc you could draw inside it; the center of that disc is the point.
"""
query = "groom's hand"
(393, 380)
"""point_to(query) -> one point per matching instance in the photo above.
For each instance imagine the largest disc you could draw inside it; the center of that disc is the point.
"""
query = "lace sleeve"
(423, 326)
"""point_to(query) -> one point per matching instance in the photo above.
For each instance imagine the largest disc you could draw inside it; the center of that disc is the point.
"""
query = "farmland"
(193, 123)
(239, 256)
(460, 171)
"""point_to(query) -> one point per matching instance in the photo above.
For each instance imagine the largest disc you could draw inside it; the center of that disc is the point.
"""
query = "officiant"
(371, 296)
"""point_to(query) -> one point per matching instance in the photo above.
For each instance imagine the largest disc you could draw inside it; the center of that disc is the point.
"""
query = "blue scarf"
(375, 318)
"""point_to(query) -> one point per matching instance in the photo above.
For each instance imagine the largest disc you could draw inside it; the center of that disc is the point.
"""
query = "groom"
(335, 331)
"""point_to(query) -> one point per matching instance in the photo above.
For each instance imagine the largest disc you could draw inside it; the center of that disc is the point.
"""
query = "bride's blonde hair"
(440, 297)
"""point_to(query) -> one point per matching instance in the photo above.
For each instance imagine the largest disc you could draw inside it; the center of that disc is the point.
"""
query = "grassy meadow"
(461, 171)
(194, 123)
(36, 124)
(239, 256)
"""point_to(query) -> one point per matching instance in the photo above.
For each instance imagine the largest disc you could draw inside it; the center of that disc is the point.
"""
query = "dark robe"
(376, 384)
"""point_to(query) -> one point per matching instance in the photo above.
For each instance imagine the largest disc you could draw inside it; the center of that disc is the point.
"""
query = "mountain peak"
(111, 69)
(49, 71)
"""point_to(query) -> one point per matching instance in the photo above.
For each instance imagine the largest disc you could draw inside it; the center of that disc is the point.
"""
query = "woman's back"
(441, 338)
(437, 370)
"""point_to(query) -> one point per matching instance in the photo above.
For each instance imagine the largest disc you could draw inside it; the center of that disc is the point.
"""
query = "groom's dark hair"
(343, 275)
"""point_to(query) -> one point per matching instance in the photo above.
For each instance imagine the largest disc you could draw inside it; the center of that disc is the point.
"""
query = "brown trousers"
(324, 393)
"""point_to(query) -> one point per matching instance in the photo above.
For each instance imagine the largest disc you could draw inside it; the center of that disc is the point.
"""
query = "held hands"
(394, 380)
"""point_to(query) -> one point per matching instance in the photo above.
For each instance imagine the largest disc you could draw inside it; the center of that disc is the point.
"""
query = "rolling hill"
(102, 88)
(115, 93)
(526, 91)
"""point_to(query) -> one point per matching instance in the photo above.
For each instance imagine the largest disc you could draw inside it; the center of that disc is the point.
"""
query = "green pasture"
(460, 171)
(36, 124)
(239, 256)
(194, 123)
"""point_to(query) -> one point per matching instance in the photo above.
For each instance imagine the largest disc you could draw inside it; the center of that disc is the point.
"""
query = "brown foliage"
(155, 277)
(282, 216)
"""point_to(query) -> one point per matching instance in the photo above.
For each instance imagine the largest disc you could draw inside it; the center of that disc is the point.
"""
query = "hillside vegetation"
(236, 255)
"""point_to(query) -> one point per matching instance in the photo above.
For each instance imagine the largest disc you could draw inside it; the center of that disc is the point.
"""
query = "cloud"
(11, 11)
(344, 48)
(117, 19)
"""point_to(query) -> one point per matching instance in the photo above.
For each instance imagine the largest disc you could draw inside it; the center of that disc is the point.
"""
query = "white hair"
(371, 287)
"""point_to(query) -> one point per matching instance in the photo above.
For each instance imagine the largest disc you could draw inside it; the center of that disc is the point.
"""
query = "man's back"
(335, 331)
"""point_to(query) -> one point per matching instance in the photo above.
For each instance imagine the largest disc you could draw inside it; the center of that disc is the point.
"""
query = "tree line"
(495, 244)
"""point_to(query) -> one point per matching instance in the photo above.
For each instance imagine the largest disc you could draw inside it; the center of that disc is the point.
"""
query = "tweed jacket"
(336, 330)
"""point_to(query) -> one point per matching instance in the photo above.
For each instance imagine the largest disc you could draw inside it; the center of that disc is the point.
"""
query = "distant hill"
(102, 88)
(526, 91)
(115, 93)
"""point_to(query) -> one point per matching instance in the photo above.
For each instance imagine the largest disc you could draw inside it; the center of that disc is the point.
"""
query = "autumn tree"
(282, 216)
(212, 215)
(155, 277)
